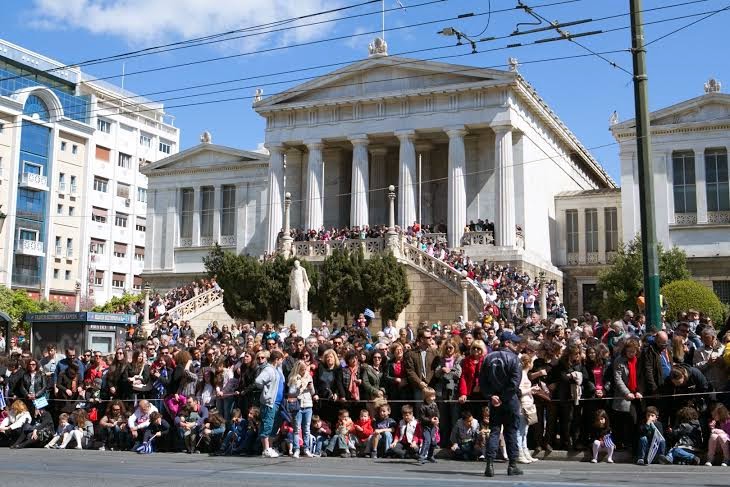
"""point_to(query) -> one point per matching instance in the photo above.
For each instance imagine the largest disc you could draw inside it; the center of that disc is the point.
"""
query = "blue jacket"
(501, 375)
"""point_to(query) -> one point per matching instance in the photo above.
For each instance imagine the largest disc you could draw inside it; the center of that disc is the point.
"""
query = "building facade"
(70, 187)
(459, 143)
(203, 195)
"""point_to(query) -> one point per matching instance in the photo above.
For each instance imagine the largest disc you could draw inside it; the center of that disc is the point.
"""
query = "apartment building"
(74, 200)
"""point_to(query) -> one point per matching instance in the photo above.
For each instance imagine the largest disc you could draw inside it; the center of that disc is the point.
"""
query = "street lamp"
(450, 31)
(146, 317)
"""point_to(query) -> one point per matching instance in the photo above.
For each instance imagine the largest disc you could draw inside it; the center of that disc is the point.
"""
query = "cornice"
(204, 170)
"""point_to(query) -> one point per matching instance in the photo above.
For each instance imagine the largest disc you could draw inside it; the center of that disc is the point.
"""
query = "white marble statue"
(298, 287)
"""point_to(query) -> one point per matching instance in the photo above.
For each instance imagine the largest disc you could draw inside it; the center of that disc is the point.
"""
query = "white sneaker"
(522, 459)
(528, 455)
(296, 454)
(723, 464)
(609, 460)
(308, 454)
(593, 460)
(269, 453)
(708, 464)
(102, 448)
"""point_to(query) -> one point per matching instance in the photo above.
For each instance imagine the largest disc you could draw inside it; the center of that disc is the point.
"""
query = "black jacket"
(39, 387)
(501, 375)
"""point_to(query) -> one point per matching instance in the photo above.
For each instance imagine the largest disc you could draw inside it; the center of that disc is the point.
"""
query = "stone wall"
(430, 300)
(217, 313)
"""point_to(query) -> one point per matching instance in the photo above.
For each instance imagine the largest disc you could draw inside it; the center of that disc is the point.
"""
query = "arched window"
(35, 106)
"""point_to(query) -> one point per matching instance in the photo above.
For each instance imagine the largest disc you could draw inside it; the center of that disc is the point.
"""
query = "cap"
(511, 337)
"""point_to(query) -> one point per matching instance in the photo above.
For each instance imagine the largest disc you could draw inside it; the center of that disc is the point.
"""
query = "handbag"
(530, 412)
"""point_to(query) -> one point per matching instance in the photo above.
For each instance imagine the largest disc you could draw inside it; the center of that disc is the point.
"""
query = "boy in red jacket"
(363, 430)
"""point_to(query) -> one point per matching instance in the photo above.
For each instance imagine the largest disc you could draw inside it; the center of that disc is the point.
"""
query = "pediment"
(384, 76)
(709, 108)
(204, 156)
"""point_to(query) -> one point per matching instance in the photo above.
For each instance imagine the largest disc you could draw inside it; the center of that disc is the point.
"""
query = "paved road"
(112, 469)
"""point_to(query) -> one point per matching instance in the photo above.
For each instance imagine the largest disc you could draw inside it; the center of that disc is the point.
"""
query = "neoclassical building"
(460, 143)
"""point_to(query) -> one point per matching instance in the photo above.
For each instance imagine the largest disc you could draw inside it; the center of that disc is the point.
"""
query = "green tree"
(16, 303)
(386, 285)
(622, 281)
(119, 303)
(243, 279)
(340, 286)
(683, 295)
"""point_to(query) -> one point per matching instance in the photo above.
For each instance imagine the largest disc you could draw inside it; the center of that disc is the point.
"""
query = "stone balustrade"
(478, 238)
(196, 305)
(319, 249)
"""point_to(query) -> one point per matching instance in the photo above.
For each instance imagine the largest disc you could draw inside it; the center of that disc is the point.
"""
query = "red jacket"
(363, 434)
(469, 375)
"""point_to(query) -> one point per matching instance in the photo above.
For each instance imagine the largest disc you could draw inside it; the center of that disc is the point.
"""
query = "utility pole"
(646, 171)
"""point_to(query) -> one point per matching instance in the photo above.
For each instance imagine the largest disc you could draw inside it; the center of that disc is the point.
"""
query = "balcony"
(35, 182)
(29, 247)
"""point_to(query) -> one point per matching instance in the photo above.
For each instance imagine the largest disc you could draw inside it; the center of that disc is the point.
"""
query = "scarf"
(352, 387)
(632, 385)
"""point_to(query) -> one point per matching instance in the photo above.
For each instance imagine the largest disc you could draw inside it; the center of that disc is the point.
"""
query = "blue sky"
(582, 91)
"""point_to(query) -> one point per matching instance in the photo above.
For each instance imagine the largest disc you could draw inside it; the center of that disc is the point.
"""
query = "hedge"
(684, 295)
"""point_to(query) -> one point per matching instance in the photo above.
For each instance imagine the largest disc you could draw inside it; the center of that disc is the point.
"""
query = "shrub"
(684, 294)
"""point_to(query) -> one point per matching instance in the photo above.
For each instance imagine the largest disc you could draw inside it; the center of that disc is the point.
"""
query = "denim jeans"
(385, 439)
(429, 442)
(522, 434)
(302, 421)
(680, 454)
(644, 448)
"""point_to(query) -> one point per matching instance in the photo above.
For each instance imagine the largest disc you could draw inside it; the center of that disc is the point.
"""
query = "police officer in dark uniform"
(499, 381)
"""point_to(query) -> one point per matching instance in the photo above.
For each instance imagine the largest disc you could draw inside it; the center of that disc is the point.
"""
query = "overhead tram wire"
(120, 99)
(710, 14)
(123, 110)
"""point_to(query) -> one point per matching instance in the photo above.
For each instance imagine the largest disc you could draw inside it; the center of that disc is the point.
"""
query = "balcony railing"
(319, 249)
(34, 181)
(477, 238)
(718, 217)
(29, 247)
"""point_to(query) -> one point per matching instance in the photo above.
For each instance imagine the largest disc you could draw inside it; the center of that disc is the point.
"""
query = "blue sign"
(113, 318)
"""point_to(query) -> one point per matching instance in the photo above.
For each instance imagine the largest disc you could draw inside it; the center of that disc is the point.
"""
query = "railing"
(322, 248)
(573, 258)
(196, 305)
(438, 237)
(443, 273)
(34, 180)
(29, 247)
(718, 217)
(478, 238)
(228, 241)
(685, 218)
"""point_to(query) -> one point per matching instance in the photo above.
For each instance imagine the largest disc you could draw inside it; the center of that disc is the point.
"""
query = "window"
(55, 273)
(118, 280)
(97, 246)
(137, 282)
(145, 140)
(2, 127)
(611, 217)
(32, 168)
(61, 182)
(99, 215)
(718, 197)
(63, 146)
(165, 147)
(73, 185)
(228, 211)
(139, 253)
(722, 289)
(141, 225)
(103, 154)
(186, 212)
(59, 209)
(69, 247)
(71, 211)
(142, 195)
(67, 275)
(99, 278)
(125, 160)
(591, 230)
(120, 220)
(101, 184)
(120, 249)
(684, 182)
(59, 250)
(74, 149)
(207, 212)
(571, 230)
(103, 125)
(123, 190)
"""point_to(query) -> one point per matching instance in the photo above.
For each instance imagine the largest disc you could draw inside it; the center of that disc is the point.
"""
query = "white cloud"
(145, 21)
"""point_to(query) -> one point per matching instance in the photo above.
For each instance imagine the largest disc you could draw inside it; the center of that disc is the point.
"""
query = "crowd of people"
(348, 390)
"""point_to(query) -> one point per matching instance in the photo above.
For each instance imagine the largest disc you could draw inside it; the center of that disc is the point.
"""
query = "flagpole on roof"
(382, 24)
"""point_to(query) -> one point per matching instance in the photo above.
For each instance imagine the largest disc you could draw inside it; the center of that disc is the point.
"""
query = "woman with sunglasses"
(32, 385)
(469, 380)
(116, 381)
(446, 385)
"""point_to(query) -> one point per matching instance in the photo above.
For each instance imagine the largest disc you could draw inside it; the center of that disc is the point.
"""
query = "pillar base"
(302, 319)
(285, 248)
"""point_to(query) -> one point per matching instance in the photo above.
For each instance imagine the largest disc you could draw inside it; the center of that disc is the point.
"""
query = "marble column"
(276, 184)
(406, 178)
(378, 185)
(217, 203)
(700, 185)
(505, 185)
(425, 194)
(295, 174)
(359, 211)
(198, 209)
(313, 217)
(456, 218)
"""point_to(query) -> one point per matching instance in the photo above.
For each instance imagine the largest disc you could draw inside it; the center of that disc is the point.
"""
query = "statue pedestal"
(303, 320)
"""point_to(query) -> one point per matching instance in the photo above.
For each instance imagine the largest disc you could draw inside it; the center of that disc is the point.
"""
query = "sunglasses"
(260, 358)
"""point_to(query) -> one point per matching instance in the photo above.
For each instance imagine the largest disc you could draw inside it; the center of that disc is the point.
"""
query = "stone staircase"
(201, 310)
